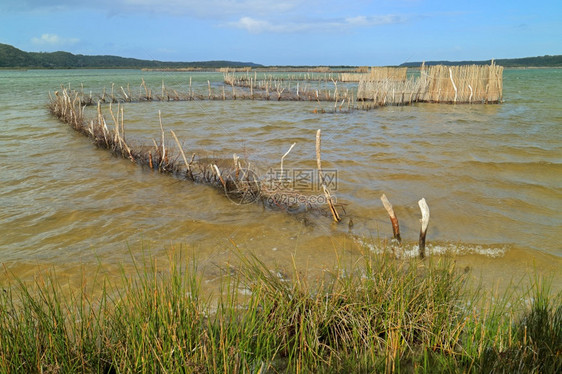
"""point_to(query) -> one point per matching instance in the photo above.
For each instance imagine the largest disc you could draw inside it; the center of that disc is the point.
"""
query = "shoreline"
(272, 69)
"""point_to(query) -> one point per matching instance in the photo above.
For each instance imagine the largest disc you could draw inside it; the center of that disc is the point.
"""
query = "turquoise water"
(491, 174)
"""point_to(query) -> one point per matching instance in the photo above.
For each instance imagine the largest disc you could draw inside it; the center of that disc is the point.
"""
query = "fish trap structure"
(462, 84)
(437, 84)
(238, 179)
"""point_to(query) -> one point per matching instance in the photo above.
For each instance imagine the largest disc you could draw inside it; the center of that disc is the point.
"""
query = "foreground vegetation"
(382, 315)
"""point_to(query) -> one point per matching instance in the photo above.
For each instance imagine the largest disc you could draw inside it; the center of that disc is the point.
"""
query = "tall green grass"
(381, 315)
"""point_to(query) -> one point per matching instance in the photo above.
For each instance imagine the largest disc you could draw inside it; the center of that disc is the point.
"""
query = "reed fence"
(278, 88)
(462, 84)
(380, 87)
(386, 86)
(377, 74)
(241, 182)
(235, 88)
(389, 92)
(377, 86)
(437, 84)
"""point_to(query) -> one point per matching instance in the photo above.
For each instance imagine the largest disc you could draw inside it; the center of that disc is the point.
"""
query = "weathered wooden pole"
(329, 200)
(285, 155)
(424, 223)
(393, 218)
(187, 165)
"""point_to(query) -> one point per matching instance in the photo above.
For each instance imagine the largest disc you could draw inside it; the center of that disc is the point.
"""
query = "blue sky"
(296, 32)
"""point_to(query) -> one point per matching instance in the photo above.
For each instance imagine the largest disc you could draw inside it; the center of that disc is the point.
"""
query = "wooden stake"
(333, 210)
(125, 94)
(329, 200)
(424, 223)
(181, 150)
(122, 136)
(122, 125)
(286, 153)
(163, 147)
(251, 88)
(116, 138)
(393, 218)
(318, 160)
(220, 176)
(454, 86)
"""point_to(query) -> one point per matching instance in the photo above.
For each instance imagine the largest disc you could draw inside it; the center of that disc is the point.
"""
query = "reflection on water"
(491, 175)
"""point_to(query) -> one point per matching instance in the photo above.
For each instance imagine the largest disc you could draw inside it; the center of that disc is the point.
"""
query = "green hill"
(540, 61)
(11, 57)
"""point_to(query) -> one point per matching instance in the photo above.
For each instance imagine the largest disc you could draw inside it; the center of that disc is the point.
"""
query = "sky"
(295, 32)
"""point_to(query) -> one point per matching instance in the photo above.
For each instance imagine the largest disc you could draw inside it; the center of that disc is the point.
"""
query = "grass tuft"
(381, 315)
(538, 340)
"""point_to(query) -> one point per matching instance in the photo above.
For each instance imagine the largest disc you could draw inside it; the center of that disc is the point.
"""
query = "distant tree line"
(11, 57)
(540, 61)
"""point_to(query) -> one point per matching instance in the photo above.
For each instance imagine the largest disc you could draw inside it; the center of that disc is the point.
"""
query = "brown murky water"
(491, 174)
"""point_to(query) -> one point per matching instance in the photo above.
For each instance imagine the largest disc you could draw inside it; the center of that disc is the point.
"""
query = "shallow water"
(491, 174)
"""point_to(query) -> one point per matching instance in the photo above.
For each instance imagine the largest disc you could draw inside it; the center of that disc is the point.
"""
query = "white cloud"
(252, 25)
(257, 26)
(366, 21)
(254, 16)
(53, 40)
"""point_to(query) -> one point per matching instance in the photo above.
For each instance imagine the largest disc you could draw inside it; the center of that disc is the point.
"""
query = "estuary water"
(491, 175)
